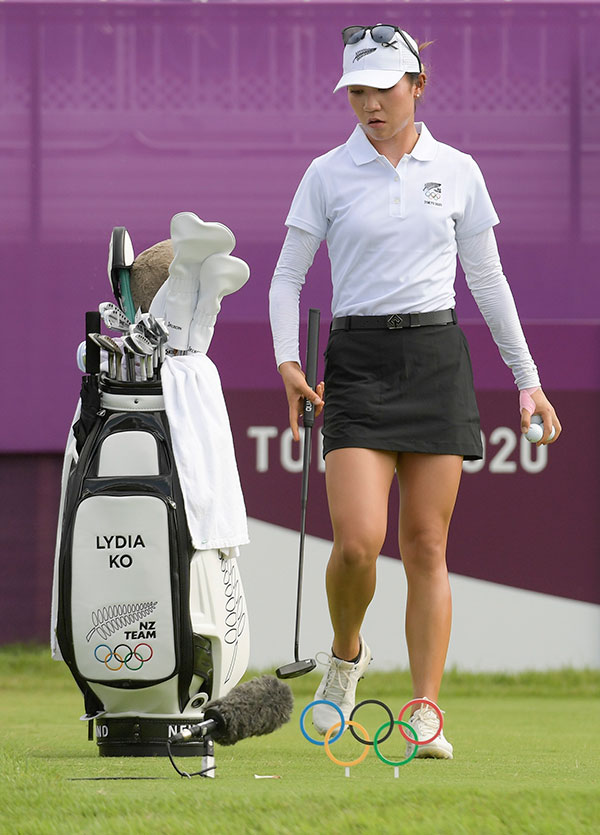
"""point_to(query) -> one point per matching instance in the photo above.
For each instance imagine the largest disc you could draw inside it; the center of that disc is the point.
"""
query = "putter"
(300, 667)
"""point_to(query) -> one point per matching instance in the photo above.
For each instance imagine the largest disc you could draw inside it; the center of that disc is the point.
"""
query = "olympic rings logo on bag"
(118, 656)
(365, 740)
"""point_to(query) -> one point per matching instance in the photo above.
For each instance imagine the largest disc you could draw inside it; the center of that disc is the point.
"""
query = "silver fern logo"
(433, 193)
(362, 53)
(110, 619)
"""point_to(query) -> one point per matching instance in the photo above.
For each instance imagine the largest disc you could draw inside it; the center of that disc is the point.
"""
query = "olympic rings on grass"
(342, 722)
(391, 724)
(328, 750)
(421, 702)
(366, 741)
(372, 702)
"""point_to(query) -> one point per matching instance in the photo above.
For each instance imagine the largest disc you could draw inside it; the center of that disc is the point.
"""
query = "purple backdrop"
(124, 113)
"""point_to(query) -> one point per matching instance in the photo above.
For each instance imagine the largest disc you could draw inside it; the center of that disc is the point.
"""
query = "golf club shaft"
(304, 501)
(312, 352)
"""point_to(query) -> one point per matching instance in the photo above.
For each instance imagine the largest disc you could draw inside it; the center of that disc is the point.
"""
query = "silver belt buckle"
(394, 322)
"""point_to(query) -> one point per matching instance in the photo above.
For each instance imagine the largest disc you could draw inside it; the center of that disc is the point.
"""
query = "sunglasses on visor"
(381, 33)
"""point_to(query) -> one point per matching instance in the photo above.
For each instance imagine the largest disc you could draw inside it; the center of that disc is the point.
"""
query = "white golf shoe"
(338, 685)
(425, 721)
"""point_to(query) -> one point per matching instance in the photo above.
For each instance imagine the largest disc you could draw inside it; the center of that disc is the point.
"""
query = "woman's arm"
(486, 280)
(481, 262)
(295, 259)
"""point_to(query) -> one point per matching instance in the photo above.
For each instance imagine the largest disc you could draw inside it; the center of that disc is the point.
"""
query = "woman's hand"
(542, 407)
(297, 391)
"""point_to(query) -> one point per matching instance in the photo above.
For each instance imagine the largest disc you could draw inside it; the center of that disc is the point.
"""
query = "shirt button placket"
(396, 194)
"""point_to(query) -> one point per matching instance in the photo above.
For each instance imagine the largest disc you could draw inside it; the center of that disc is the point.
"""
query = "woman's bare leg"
(358, 484)
(428, 489)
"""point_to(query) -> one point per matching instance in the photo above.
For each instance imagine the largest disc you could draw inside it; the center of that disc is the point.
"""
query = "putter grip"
(312, 356)
(92, 351)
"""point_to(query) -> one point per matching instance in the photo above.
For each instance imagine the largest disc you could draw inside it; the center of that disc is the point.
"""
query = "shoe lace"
(428, 720)
(338, 681)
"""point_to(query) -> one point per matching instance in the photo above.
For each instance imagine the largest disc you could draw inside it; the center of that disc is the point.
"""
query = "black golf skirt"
(405, 390)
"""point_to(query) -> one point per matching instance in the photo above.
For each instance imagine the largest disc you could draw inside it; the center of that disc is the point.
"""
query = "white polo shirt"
(392, 232)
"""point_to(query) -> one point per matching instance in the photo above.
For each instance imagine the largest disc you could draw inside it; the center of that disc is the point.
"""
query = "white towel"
(204, 453)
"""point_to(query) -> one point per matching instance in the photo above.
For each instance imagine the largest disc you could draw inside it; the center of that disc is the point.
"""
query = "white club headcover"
(193, 241)
(220, 275)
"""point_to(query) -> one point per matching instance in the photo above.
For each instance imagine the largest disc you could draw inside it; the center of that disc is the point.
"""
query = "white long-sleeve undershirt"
(479, 259)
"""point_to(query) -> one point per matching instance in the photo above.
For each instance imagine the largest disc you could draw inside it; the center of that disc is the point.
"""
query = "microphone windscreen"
(254, 708)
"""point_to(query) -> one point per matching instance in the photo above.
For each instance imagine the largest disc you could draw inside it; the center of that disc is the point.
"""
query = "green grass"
(526, 761)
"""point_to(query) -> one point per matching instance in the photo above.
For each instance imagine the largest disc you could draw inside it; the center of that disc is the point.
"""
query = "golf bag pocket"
(122, 614)
(124, 561)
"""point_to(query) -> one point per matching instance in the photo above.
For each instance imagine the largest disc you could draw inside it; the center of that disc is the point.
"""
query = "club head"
(111, 345)
(156, 326)
(113, 317)
(142, 329)
(96, 339)
(140, 343)
(107, 343)
(113, 351)
(296, 668)
(160, 325)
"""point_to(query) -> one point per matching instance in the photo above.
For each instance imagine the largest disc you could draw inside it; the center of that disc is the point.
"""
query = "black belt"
(395, 320)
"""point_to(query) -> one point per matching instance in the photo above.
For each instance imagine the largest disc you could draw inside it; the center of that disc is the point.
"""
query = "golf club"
(300, 667)
(162, 332)
(130, 354)
(110, 344)
(142, 327)
(133, 344)
(97, 340)
(158, 334)
(114, 352)
(145, 349)
(114, 318)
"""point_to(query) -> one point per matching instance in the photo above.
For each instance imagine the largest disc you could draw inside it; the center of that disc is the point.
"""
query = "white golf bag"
(150, 628)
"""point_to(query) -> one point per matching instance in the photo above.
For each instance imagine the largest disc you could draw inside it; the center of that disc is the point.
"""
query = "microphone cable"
(201, 773)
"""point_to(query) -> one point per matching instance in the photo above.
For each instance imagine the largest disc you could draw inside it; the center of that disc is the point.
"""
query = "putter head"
(296, 668)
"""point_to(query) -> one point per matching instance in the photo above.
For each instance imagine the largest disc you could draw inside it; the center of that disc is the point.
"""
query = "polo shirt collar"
(361, 150)
(426, 146)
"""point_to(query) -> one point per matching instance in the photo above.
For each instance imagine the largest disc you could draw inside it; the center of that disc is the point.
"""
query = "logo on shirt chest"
(433, 194)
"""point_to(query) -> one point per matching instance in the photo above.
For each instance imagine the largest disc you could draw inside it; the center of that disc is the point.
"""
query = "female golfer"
(395, 207)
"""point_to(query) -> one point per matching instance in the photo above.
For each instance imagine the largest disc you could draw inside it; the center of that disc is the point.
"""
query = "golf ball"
(536, 430)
